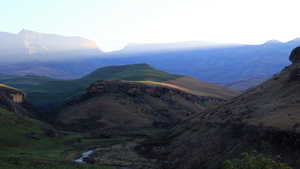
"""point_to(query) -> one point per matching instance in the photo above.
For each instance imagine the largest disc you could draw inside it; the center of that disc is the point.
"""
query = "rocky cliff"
(152, 90)
(40, 42)
(13, 94)
(15, 101)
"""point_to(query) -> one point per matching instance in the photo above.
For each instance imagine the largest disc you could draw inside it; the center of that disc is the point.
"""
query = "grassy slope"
(44, 153)
(2, 86)
(55, 92)
(24, 82)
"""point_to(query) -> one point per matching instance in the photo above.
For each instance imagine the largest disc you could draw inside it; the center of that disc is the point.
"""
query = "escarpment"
(115, 103)
(153, 90)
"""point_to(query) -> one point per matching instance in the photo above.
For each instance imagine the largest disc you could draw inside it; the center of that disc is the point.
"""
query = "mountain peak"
(273, 41)
(27, 34)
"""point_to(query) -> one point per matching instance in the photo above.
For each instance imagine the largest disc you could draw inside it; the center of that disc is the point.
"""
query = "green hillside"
(2, 86)
(53, 93)
(19, 151)
(24, 82)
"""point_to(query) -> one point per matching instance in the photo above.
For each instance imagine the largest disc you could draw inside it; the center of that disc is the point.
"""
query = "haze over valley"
(168, 84)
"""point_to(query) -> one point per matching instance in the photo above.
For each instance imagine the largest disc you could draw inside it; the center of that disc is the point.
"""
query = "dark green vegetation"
(254, 160)
(53, 93)
(24, 82)
(19, 151)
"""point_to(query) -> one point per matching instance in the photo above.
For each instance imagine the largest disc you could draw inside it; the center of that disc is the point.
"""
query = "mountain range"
(143, 117)
(32, 53)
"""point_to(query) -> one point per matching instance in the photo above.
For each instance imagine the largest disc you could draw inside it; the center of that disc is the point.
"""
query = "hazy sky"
(114, 23)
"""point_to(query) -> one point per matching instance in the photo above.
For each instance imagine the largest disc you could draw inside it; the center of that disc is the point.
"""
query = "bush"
(253, 161)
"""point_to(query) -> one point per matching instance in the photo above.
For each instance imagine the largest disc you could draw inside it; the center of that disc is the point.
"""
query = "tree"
(254, 160)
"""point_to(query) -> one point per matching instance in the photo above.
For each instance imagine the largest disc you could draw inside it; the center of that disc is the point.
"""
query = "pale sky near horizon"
(115, 23)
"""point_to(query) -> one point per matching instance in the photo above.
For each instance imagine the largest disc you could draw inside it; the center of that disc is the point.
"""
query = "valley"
(146, 106)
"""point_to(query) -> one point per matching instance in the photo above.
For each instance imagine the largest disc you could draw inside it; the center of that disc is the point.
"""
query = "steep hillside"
(274, 102)
(15, 101)
(265, 118)
(244, 84)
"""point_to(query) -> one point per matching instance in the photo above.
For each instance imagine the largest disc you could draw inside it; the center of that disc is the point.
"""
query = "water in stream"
(85, 155)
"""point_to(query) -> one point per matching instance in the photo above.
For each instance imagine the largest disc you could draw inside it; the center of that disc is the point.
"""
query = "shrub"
(253, 161)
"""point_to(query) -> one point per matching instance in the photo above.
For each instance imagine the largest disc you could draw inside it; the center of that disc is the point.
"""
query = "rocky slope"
(14, 100)
(265, 118)
(132, 104)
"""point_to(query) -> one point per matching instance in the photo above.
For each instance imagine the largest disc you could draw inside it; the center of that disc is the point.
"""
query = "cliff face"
(40, 42)
(60, 57)
(31, 42)
(12, 100)
(14, 95)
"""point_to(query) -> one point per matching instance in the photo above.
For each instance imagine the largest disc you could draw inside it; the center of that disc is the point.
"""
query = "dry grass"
(200, 88)
(2, 86)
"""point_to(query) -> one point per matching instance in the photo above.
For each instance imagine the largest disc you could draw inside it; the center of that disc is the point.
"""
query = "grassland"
(24, 82)
(56, 92)
(19, 151)
(2, 86)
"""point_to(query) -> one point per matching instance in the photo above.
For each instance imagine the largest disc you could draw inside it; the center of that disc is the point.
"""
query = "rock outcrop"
(14, 95)
(15, 101)
(135, 89)
(295, 55)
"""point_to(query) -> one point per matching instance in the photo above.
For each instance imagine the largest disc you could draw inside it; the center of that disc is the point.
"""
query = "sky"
(115, 23)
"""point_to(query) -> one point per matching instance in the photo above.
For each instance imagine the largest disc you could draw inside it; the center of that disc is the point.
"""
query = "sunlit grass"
(166, 84)
(7, 87)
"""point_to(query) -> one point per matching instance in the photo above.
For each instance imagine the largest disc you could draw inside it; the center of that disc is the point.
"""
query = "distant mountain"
(33, 53)
(175, 46)
(218, 64)
(31, 42)
(59, 57)
(53, 93)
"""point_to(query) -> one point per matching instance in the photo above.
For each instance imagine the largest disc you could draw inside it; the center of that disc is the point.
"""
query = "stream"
(85, 155)
(88, 153)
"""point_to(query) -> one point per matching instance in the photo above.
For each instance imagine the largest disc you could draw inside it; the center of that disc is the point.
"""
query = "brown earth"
(136, 104)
